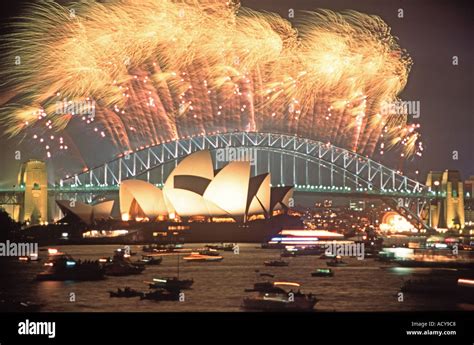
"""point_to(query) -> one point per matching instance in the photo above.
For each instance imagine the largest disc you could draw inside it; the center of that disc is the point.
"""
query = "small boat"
(125, 251)
(122, 266)
(276, 297)
(323, 272)
(227, 247)
(157, 248)
(127, 292)
(9, 305)
(162, 295)
(61, 266)
(270, 286)
(209, 252)
(152, 247)
(29, 258)
(276, 263)
(327, 256)
(196, 257)
(288, 254)
(150, 260)
(170, 283)
(336, 262)
(303, 251)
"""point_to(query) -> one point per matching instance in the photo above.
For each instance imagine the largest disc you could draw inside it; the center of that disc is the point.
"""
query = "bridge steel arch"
(346, 172)
(363, 172)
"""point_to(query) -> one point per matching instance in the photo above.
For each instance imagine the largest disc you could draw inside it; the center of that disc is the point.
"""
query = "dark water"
(365, 285)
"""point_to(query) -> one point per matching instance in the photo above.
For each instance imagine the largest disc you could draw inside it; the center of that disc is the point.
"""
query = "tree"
(7, 225)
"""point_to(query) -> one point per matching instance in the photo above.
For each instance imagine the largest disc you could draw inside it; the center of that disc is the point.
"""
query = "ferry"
(61, 266)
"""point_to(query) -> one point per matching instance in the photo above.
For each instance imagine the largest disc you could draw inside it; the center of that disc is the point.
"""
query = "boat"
(227, 247)
(61, 266)
(452, 263)
(266, 287)
(336, 262)
(127, 292)
(276, 263)
(156, 248)
(150, 260)
(122, 269)
(327, 256)
(196, 257)
(209, 252)
(323, 272)
(170, 283)
(126, 250)
(279, 296)
(162, 295)
(288, 254)
(9, 305)
(301, 251)
(122, 266)
(29, 258)
(449, 282)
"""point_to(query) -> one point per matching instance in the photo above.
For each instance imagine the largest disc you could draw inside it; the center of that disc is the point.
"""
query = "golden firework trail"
(158, 70)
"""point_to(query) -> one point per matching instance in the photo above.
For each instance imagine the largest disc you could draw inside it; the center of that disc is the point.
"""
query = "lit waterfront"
(364, 285)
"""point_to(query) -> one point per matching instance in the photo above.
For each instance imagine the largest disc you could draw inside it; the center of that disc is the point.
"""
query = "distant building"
(357, 205)
(469, 202)
(469, 188)
(447, 209)
(33, 177)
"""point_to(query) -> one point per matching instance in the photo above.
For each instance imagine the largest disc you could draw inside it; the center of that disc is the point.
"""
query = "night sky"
(432, 31)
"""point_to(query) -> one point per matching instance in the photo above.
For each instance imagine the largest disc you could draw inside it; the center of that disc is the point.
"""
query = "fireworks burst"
(158, 70)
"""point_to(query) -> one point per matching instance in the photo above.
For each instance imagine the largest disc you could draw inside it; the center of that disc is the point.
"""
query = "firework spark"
(159, 70)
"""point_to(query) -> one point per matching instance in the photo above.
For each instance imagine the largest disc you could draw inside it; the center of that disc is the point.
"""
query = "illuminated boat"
(276, 263)
(279, 296)
(150, 260)
(9, 305)
(122, 266)
(196, 257)
(209, 252)
(29, 258)
(304, 238)
(323, 272)
(170, 283)
(61, 266)
(227, 247)
(160, 248)
(302, 251)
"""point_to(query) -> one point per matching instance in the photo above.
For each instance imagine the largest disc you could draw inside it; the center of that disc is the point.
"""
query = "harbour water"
(364, 285)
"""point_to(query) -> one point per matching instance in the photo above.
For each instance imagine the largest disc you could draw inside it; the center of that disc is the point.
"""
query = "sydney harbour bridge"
(310, 166)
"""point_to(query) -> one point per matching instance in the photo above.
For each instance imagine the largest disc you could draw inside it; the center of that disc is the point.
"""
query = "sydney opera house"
(196, 203)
